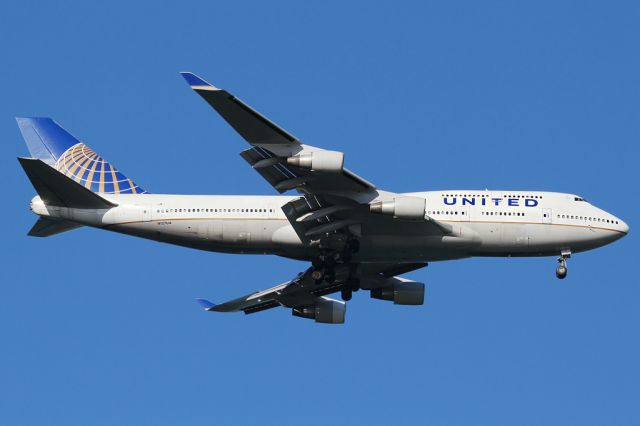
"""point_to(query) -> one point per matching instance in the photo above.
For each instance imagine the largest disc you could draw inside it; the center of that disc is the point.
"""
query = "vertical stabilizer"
(49, 142)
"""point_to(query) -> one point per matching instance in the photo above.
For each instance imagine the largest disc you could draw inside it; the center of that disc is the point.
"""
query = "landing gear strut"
(561, 270)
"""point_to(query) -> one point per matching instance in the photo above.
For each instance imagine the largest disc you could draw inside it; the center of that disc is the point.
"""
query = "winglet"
(196, 82)
(206, 304)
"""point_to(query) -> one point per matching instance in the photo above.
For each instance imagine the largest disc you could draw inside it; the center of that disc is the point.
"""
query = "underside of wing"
(277, 155)
(250, 124)
(302, 294)
(306, 294)
(283, 176)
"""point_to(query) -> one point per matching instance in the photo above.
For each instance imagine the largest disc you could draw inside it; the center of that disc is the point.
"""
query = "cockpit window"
(579, 199)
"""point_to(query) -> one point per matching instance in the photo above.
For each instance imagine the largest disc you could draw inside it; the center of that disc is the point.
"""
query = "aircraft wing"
(275, 152)
(298, 294)
(306, 296)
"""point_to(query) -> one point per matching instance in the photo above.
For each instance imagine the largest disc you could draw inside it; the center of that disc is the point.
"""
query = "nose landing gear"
(561, 270)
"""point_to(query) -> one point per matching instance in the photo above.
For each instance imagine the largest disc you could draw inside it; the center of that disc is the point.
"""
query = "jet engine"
(322, 161)
(402, 207)
(401, 292)
(325, 310)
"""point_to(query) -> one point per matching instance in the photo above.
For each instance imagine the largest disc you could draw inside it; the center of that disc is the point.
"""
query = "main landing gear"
(561, 270)
(335, 252)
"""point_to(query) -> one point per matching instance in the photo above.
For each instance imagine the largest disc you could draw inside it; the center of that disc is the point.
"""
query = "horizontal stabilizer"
(56, 189)
(48, 227)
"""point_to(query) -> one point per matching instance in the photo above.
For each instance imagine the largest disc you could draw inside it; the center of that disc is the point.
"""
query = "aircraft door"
(546, 216)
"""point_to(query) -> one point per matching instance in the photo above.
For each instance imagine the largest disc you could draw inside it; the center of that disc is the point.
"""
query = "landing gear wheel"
(346, 294)
(561, 272)
(317, 275)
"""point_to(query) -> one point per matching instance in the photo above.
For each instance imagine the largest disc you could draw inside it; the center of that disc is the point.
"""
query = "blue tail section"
(55, 146)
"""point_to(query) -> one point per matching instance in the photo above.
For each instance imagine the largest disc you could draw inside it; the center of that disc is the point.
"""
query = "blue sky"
(102, 329)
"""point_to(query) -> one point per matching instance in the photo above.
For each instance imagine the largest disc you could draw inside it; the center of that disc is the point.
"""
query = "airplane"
(355, 235)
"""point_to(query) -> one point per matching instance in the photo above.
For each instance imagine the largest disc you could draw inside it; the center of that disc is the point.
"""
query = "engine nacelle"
(401, 292)
(322, 161)
(325, 310)
(402, 207)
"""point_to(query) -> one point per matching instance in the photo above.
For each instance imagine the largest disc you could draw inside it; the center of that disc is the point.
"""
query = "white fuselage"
(484, 223)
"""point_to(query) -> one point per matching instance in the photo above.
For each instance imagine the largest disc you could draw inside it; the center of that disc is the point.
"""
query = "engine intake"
(325, 310)
(322, 161)
(402, 207)
(401, 292)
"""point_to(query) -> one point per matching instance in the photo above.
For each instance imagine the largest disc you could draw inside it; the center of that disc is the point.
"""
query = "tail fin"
(52, 144)
(56, 189)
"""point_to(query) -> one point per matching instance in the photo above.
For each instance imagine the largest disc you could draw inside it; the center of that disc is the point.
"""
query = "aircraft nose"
(624, 227)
